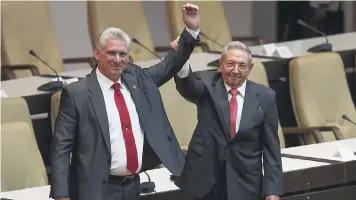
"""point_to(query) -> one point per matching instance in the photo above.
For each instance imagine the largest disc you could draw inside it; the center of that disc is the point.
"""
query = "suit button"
(104, 181)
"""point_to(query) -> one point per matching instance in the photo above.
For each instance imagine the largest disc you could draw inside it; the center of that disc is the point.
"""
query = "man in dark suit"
(236, 132)
(113, 123)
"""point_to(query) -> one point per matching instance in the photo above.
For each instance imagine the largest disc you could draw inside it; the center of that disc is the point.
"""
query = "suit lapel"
(251, 102)
(97, 101)
(221, 97)
(131, 84)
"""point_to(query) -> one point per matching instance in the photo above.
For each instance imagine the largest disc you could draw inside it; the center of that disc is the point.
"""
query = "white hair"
(237, 45)
(113, 33)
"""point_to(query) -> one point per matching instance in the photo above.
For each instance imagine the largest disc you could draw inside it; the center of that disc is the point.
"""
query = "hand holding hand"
(174, 43)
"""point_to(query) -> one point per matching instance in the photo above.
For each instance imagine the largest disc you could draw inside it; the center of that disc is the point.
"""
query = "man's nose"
(235, 69)
(118, 58)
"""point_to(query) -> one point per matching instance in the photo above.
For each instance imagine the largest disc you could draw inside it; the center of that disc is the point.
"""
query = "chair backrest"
(181, 114)
(26, 26)
(104, 14)
(213, 22)
(21, 162)
(258, 75)
(55, 100)
(15, 109)
(320, 94)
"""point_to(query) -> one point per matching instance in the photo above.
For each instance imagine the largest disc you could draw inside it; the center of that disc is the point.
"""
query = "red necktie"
(131, 151)
(233, 111)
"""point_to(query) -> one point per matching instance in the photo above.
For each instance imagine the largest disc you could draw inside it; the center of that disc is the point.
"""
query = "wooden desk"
(167, 190)
(340, 42)
(326, 150)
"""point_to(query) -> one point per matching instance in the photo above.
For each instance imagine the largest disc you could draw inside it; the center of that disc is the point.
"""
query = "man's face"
(235, 67)
(112, 58)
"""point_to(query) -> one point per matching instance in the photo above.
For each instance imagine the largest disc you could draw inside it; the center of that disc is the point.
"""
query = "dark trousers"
(219, 190)
(116, 190)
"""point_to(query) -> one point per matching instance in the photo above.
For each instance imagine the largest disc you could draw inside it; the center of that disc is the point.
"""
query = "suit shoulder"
(133, 67)
(77, 88)
(206, 75)
(136, 70)
(263, 90)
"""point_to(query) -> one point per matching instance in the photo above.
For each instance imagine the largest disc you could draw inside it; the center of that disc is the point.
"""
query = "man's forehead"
(115, 44)
(236, 53)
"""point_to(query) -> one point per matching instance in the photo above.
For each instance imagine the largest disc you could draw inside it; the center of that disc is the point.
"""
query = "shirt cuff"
(193, 33)
(184, 72)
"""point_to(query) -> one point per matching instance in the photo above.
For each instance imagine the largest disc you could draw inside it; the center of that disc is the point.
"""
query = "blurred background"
(272, 20)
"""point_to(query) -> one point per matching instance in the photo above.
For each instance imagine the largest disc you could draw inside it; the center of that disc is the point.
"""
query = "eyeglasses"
(241, 66)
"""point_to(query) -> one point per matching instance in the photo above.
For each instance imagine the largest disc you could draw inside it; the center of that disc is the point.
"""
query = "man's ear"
(251, 66)
(249, 71)
(96, 53)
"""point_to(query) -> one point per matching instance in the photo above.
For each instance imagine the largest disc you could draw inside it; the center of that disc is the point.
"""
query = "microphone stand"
(134, 40)
(325, 47)
(51, 86)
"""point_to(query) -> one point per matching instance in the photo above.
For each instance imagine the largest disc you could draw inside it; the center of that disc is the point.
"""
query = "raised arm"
(189, 85)
(273, 174)
(174, 61)
(62, 145)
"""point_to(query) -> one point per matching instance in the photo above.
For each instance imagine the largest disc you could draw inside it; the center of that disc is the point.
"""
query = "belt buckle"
(128, 178)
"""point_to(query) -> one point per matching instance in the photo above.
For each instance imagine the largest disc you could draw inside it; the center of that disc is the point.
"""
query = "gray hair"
(237, 45)
(113, 33)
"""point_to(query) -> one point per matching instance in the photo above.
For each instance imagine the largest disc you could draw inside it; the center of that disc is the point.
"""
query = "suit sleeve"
(174, 61)
(62, 145)
(190, 87)
(272, 164)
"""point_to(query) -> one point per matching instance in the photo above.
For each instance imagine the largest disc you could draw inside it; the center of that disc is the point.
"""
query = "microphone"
(212, 40)
(134, 40)
(53, 85)
(345, 117)
(317, 48)
(147, 187)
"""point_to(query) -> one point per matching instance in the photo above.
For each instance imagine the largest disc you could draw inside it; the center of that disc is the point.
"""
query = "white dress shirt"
(118, 149)
(184, 72)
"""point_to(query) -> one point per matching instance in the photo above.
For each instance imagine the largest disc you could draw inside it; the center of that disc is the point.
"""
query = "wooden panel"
(344, 193)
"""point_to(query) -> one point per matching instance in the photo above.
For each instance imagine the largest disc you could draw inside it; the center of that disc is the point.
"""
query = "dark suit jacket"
(211, 143)
(82, 127)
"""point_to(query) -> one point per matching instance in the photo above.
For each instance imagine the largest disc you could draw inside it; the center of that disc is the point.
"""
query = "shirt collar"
(241, 89)
(104, 81)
